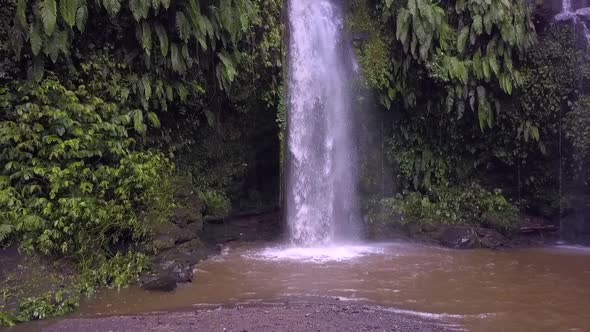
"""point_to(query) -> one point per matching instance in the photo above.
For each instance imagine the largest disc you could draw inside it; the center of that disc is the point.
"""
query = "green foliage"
(71, 182)
(450, 58)
(374, 55)
(466, 49)
(577, 124)
(49, 30)
(6, 319)
(117, 271)
(7, 62)
(466, 205)
(49, 305)
(216, 203)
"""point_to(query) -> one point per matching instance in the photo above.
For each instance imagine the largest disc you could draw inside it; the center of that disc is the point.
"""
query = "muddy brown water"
(543, 289)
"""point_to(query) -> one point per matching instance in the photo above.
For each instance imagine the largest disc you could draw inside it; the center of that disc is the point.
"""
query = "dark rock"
(174, 265)
(185, 215)
(169, 233)
(491, 239)
(214, 220)
(575, 227)
(459, 237)
(163, 242)
(163, 282)
(429, 228)
(194, 229)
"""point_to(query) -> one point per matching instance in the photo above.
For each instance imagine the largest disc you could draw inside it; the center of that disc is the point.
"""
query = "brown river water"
(542, 289)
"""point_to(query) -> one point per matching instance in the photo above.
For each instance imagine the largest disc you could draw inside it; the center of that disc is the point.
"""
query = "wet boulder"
(186, 215)
(163, 282)
(190, 207)
(166, 235)
(491, 239)
(459, 237)
(174, 265)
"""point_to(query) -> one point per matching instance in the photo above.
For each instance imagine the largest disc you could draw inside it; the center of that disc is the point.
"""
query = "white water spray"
(322, 199)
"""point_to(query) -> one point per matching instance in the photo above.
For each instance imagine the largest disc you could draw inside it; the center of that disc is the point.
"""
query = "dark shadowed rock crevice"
(176, 244)
(190, 237)
(531, 232)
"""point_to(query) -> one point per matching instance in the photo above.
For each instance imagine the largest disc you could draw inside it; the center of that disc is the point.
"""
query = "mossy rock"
(184, 215)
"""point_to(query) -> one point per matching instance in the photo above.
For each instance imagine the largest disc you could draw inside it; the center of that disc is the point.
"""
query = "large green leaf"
(67, 9)
(462, 39)
(146, 37)
(82, 16)
(112, 6)
(21, 16)
(35, 39)
(48, 12)
(163, 38)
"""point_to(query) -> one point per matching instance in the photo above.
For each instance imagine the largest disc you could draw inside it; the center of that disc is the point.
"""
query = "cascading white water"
(579, 19)
(322, 199)
(566, 11)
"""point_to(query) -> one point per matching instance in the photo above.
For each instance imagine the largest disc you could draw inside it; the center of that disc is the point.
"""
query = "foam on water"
(332, 253)
(574, 248)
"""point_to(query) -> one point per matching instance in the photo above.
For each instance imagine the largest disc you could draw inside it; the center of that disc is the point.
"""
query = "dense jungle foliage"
(107, 104)
(100, 99)
(482, 109)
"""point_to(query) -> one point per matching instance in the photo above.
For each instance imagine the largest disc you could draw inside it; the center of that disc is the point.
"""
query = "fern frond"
(5, 231)
(146, 37)
(182, 26)
(52, 47)
(35, 39)
(21, 15)
(38, 70)
(156, 4)
(163, 38)
(67, 9)
(178, 64)
(48, 12)
(82, 15)
(112, 7)
(139, 8)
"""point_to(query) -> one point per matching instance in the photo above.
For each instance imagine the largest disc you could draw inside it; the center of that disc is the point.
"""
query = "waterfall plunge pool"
(542, 289)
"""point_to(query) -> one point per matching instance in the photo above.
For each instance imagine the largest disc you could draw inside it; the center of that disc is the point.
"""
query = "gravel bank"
(286, 317)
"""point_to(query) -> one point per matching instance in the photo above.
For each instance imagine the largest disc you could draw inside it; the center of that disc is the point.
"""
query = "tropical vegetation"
(106, 104)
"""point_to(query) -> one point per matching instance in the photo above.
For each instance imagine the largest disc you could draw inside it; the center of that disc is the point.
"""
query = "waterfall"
(322, 199)
(566, 6)
(566, 11)
(579, 18)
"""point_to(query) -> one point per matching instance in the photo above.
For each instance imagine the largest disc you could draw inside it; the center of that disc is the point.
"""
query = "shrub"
(71, 182)
(216, 203)
(471, 205)
(6, 319)
(117, 271)
(48, 305)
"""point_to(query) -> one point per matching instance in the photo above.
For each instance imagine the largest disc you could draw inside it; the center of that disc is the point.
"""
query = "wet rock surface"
(575, 227)
(533, 233)
(459, 238)
(285, 317)
(177, 245)
(463, 237)
(190, 237)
